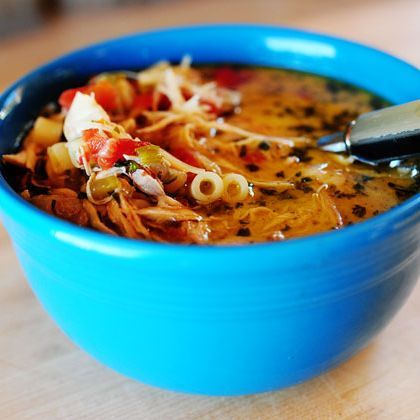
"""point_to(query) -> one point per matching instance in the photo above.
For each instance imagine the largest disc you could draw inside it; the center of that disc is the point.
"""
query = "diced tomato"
(231, 78)
(92, 135)
(94, 141)
(115, 149)
(105, 95)
(190, 177)
(129, 146)
(162, 103)
(151, 101)
(106, 157)
(143, 102)
(186, 156)
(255, 157)
(66, 98)
(107, 151)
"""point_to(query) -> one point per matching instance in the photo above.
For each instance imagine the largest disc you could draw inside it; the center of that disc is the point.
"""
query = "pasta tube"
(207, 187)
(235, 188)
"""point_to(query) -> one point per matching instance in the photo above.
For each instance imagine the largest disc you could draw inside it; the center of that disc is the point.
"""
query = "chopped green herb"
(132, 166)
(242, 151)
(358, 187)
(286, 195)
(366, 178)
(252, 167)
(309, 111)
(306, 128)
(341, 194)
(264, 145)
(359, 211)
(403, 192)
(303, 187)
(267, 191)
(301, 154)
(243, 232)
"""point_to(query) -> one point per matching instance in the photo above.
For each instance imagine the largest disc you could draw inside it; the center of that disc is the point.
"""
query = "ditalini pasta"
(207, 187)
(235, 188)
(206, 155)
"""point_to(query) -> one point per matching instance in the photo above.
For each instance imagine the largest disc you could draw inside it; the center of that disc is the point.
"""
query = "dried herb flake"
(359, 211)
(252, 167)
(243, 232)
(264, 145)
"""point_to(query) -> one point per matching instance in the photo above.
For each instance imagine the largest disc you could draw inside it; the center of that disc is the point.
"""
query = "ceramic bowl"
(216, 320)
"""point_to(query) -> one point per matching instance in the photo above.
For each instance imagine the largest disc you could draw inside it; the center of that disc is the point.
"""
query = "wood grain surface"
(44, 376)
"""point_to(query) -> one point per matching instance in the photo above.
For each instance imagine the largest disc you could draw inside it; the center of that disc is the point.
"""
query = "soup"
(205, 155)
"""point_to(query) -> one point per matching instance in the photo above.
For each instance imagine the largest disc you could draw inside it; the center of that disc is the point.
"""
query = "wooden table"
(43, 375)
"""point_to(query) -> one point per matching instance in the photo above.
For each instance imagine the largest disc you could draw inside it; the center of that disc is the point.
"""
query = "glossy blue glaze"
(216, 320)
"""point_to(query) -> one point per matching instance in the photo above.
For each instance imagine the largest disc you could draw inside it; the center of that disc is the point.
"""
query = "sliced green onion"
(104, 187)
(149, 155)
(132, 166)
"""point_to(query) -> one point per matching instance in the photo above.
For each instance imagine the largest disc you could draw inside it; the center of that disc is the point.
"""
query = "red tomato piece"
(106, 95)
(129, 146)
(94, 141)
(162, 102)
(106, 150)
(143, 102)
(151, 101)
(115, 149)
(66, 98)
(106, 157)
(231, 78)
(255, 157)
(186, 156)
(190, 177)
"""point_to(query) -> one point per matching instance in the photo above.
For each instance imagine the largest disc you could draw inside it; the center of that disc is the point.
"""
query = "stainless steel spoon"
(379, 136)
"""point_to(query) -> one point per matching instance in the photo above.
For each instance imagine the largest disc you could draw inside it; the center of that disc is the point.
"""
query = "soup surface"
(207, 155)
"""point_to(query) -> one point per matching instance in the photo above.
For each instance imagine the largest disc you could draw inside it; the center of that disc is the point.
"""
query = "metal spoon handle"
(380, 136)
(386, 134)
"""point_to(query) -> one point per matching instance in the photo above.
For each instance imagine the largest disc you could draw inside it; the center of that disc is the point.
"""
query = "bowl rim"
(93, 240)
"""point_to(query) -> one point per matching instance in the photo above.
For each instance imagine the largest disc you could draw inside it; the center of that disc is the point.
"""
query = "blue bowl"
(216, 320)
